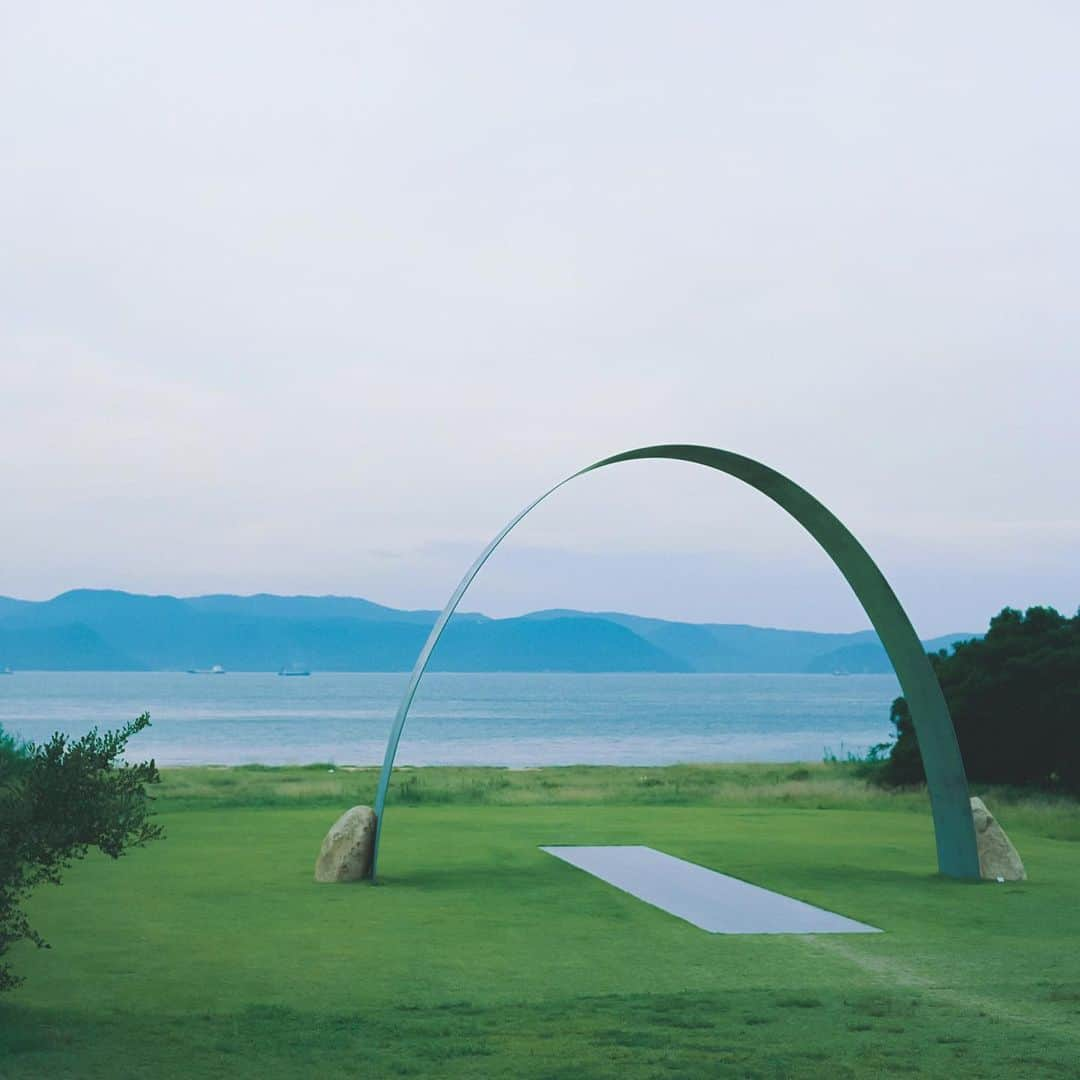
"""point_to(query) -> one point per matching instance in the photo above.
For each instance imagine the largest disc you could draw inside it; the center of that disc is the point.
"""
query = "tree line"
(1014, 696)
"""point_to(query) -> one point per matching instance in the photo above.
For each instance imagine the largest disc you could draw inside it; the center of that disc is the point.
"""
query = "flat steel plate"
(714, 902)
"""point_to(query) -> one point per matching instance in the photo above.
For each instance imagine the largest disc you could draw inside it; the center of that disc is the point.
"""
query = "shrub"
(1014, 696)
(56, 802)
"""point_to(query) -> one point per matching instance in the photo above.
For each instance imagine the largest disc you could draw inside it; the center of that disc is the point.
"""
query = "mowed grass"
(212, 953)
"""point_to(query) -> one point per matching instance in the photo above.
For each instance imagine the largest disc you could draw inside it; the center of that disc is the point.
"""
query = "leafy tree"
(56, 802)
(1014, 696)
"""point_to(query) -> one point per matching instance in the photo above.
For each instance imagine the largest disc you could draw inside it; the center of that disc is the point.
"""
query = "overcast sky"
(311, 297)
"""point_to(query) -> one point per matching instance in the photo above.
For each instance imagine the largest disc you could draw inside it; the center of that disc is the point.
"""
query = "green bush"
(56, 802)
(1014, 696)
(12, 751)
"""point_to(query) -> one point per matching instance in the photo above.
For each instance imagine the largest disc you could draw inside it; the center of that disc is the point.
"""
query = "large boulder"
(345, 854)
(997, 857)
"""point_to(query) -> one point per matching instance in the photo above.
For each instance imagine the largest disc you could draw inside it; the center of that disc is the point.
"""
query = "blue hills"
(107, 630)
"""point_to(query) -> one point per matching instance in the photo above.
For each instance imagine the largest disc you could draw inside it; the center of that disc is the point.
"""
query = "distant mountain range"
(104, 630)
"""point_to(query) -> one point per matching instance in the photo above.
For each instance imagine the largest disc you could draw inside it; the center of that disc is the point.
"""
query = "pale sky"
(311, 297)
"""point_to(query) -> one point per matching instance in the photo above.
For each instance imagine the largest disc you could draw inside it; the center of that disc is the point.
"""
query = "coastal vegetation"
(833, 785)
(57, 801)
(480, 956)
(1014, 696)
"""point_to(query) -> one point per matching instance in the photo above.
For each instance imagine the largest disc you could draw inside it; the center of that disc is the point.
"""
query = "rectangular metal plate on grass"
(712, 901)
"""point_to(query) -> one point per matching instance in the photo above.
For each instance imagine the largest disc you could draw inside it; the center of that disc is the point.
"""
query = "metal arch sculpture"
(945, 778)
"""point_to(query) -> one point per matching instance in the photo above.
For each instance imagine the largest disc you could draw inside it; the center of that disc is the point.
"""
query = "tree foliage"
(57, 801)
(1014, 696)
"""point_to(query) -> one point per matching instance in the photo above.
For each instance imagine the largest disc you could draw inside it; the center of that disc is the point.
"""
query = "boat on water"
(217, 669)
(6, 671)
(293, 672)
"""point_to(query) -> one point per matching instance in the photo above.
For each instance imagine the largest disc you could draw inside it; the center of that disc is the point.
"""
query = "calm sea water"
(499, 719)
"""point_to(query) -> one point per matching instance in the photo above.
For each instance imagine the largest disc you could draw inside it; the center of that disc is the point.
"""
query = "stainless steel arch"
(945, 778)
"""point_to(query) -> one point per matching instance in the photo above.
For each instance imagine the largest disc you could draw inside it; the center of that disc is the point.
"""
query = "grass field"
(211, 953)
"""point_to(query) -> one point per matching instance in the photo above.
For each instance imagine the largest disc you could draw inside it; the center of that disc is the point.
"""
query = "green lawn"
(212, 953)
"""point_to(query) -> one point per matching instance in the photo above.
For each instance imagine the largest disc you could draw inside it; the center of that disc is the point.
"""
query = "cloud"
(287, 288)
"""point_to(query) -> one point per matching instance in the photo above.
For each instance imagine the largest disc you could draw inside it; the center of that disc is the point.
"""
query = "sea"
(513, 720)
